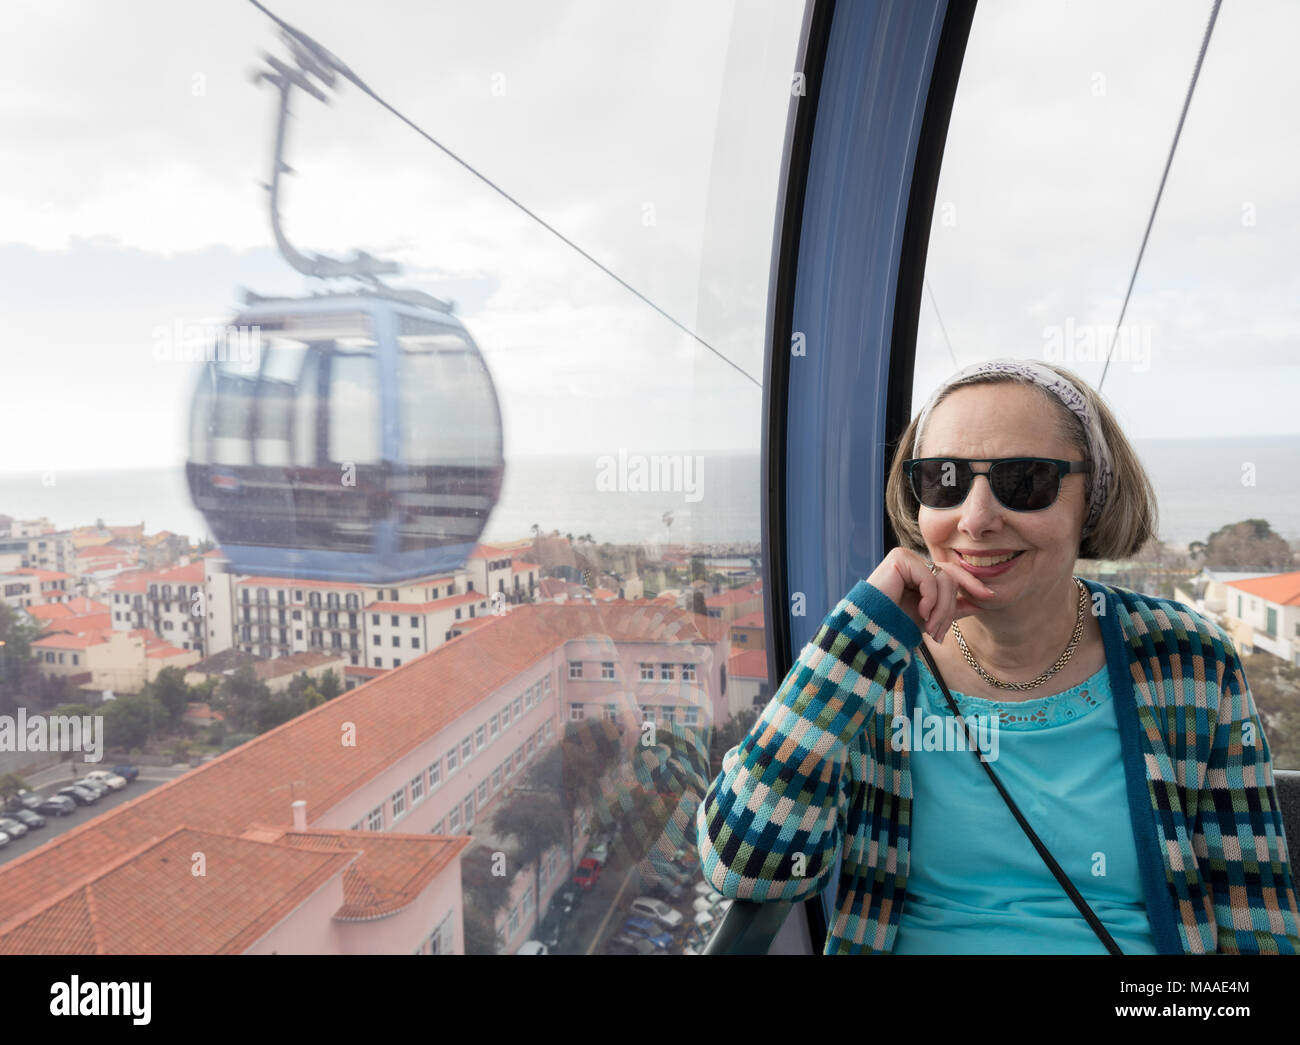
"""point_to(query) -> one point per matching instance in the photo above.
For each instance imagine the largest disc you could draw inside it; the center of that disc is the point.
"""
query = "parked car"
(126, 771)
(533, 947)
(567, 899)
(80, 795)
(625, 943)
(13, 828)
(114, 782)
(4, 839)
(57, 805)
(28, 818)
(666, 890)
(95, 786)
(24, 800)
(552, 927)
(648, 930)
(649, 907)
(586, 875)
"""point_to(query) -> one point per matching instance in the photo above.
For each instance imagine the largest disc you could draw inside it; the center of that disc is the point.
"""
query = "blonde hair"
(1128, 519)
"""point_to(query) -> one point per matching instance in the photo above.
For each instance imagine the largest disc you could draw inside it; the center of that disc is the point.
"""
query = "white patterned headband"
(1047, 378)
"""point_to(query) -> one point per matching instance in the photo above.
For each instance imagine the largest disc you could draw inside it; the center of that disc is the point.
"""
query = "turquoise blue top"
(977, 886)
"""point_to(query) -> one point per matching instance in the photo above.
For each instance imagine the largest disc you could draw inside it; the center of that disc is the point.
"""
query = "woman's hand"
(932, 601)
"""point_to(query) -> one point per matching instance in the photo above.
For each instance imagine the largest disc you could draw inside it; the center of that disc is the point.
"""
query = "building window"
(546, 684)
(378, 641)
(480, 738)
(575, 713)
(399, 802)
(575, 669)
(453, 760)
(607, 669)
(611, 712)
(375, 821)
(549, 731)
(467, 749)
(688, 672)
(374, 618)
(647, 672)
(379, 662)
(394, 621)
(415, 622)
(397, 662)
(494, 723)
(415, 643)
(505, 717)
(512, 925)
(665, 672)
(435, 775)
(519, 707)
(397, 640)
(528, 698)
(530, 747)
(469, 810)
(482, 792)
(670, 714)
(496, 778)
(453, 821)
(691, 715)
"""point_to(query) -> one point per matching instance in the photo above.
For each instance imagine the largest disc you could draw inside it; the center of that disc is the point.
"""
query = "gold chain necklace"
(1060, 661)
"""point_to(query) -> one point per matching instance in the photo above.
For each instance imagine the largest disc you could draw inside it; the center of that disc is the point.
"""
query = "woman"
(1121, 724)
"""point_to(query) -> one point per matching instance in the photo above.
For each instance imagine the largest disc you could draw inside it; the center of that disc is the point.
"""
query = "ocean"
(1201, 484)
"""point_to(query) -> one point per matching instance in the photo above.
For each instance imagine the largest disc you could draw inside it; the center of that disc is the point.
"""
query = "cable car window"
(448, 406)
(353, 407)
(275, 400)
(231, 415)
(305, 443)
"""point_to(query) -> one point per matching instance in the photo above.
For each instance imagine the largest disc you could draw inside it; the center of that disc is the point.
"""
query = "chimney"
(300, 815)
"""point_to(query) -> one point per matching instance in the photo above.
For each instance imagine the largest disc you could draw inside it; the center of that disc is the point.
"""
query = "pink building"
(342, 831)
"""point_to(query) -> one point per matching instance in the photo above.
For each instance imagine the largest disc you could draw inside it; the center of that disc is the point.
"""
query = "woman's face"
(1007, 419)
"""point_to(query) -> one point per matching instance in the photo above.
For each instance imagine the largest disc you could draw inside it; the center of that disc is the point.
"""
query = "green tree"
(131, 719)
(1248, 545)
(329, 685)
(299, 696)
(10, 785)
(241, 696)
(537, 823)
(171, 691)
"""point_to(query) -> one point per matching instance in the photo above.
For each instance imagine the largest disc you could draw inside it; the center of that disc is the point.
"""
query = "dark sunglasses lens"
(941, 484)
(1025, 486)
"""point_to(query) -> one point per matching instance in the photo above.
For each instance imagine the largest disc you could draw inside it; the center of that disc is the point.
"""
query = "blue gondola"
(365, 443)
(352, 435)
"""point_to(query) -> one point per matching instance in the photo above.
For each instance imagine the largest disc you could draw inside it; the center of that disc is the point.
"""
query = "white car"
(649, 907)
(703, 888)
(533, 947)
(110, 780)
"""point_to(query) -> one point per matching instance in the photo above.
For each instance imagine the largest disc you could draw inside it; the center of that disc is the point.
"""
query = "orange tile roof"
(131, 582)
(166, 650)
(392, 870)
(395, 714)
(522, 566)
(66, 641)
(43, 575)
(727, 598)
(82, 624)
(1282, 588)
(49, 611)
(749, 620)
(147, 901)
(82, 605)
(748, 664)
(445, 603)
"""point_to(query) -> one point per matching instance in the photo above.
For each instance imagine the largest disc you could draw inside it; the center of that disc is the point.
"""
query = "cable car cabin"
(359, 440)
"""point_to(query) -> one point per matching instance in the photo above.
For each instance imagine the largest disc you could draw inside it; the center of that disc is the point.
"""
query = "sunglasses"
(1022, 484)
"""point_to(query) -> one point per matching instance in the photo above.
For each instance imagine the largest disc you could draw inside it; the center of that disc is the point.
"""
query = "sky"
(134, 145)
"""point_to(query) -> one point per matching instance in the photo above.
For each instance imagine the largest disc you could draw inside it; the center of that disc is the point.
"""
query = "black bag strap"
(1061, 876)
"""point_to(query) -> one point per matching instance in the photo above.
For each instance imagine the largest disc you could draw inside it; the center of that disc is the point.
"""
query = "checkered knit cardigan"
(817, 778)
